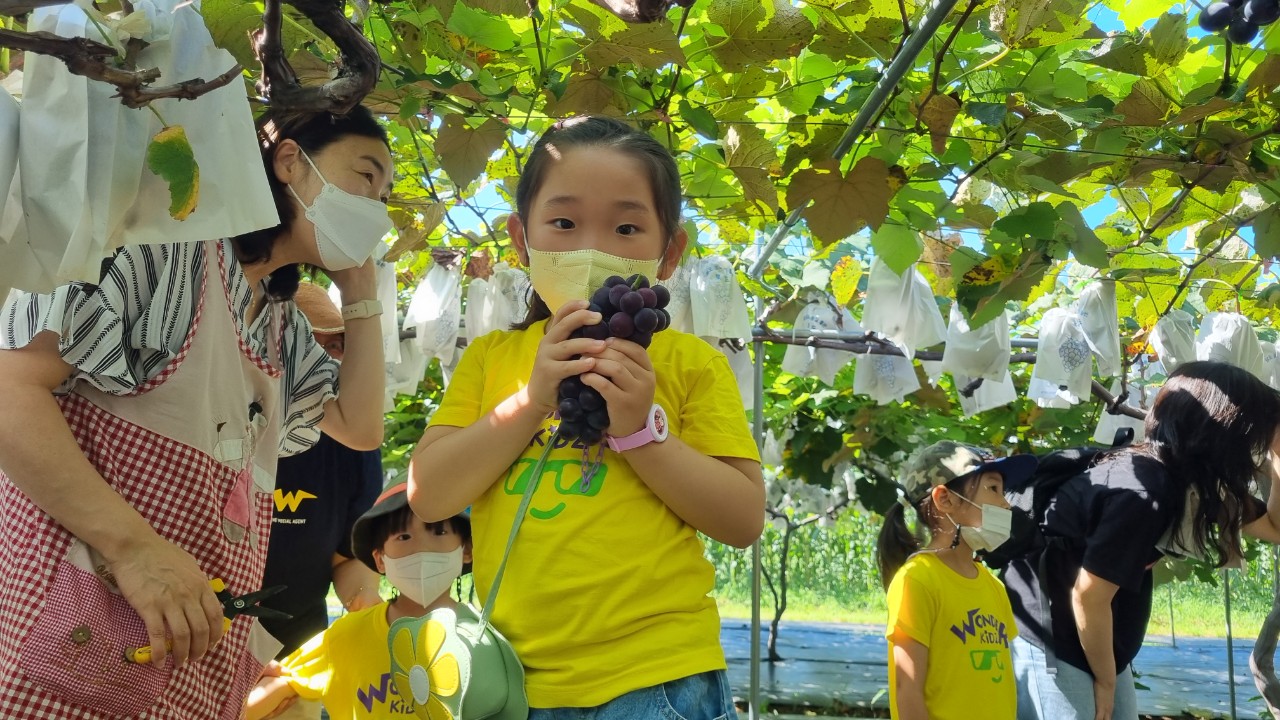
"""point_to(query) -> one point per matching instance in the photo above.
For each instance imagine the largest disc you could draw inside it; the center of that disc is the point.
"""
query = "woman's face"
(355, 164)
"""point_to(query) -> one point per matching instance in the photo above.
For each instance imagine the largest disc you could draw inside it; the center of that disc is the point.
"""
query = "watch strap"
(362, 309)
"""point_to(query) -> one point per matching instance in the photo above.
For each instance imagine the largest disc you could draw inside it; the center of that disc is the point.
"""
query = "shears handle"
(142, 655)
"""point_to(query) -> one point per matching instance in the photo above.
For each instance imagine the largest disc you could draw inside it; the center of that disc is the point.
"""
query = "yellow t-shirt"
(607, 589)
(967, 625)
(348, 668)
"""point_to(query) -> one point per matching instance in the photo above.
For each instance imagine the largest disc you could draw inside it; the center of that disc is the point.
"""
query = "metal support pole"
(893, 74)
(1173, 634)
(1231, 656)
(757, 421)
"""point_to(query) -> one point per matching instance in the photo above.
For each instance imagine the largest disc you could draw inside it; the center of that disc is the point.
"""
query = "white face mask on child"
(423, 577)
(994, 531)
(561, 277)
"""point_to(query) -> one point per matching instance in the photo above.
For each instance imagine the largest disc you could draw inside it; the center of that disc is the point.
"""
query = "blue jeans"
(1068, 695)
(697, 697)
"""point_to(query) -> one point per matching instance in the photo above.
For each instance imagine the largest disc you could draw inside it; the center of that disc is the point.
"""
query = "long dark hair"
(1209, 426)
(313, 132)
(605, 132)
(897, 542)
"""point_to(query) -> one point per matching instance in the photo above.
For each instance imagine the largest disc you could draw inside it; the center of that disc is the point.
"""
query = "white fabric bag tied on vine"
(10, 118)
(496, 303)
(681, 305)
(388, 292)
(509, 292)
(885, 378)
(1140, 396)
(1229, 338)
(902, 309)
(1270, 365)
(718, 306)
(989, 395)
(404, 376)
(1064, 361)
(744, 371)
(977, 352)
(1100, 318)
(819, 314)
(1174, 339)
(478, 310)
(86, 189)
(436, 311)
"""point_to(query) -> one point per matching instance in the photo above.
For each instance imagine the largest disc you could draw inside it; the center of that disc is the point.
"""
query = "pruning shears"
(232, 605)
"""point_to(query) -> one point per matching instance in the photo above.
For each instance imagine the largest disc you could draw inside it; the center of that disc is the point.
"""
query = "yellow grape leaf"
(843, 204)
(412, 232)
(465, 152)
(750, 156)
(938, 113)
(170, 156)
(993, 270)
(844, 279)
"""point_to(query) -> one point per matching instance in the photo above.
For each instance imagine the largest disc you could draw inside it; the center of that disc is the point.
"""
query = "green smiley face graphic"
(566, 476)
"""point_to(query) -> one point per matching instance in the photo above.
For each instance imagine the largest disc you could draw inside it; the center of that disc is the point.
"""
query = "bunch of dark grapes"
(1240, 18)
(630, 309)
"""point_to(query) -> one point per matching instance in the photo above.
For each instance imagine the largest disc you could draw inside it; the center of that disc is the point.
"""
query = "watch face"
(659, 423)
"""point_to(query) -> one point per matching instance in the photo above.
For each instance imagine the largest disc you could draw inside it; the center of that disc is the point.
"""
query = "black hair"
(382, 527)
(896, 542)
(313, 131)
(1209, 426)
(605, 132)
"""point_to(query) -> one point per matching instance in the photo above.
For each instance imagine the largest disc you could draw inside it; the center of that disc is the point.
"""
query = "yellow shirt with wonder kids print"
(967, 624)
(606, 590)
(348, 668)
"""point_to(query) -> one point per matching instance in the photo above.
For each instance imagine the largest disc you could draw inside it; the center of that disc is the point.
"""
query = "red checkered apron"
(188, 452)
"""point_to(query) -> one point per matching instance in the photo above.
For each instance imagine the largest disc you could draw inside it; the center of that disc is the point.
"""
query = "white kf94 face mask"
(994, 531)
(423, 577)
(348, 227)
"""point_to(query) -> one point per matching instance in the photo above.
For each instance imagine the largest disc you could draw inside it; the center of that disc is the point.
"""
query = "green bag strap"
(529, 489)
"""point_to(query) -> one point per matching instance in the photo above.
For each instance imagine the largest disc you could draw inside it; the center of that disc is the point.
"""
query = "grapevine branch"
(93, 60)
(358, 62)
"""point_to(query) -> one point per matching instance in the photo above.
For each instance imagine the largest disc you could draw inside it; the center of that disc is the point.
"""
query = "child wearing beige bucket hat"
(351, 666)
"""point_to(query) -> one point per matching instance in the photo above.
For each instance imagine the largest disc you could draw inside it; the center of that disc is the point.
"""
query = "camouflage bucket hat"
(942, 462)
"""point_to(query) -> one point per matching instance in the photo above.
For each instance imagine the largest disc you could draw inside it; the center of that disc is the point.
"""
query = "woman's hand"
(1104, 700)
(172, 595)
(624, 377)
(558, 354)
(357, 283)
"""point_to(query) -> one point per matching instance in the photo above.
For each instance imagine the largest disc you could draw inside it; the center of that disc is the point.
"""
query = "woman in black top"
(1185, 490)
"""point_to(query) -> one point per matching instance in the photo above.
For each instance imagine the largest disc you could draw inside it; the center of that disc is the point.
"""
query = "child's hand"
(555, 360)
(624, 377)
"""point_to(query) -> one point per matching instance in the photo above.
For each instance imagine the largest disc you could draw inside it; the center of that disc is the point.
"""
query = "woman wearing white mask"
(950, 623)
(347, 667)
(142, 421)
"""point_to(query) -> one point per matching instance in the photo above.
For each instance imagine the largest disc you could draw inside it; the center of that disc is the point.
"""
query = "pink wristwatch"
(655, 430)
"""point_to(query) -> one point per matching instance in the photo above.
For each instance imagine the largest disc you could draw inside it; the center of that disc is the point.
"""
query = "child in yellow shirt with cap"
(950, 621)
